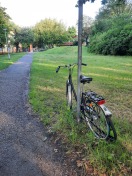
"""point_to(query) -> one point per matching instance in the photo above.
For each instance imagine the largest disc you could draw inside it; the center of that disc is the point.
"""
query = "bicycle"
(93, 111)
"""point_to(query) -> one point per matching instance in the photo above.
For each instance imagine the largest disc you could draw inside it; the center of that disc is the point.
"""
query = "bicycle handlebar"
(58, 68)
(70, 65)
(84, 64)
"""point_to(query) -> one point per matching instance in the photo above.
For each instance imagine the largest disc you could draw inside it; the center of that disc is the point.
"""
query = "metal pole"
(7, 44)
(80, 19)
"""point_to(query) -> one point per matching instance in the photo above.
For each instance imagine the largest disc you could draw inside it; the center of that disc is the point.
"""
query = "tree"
(115, 7)
(111, 32)
(71, 33)
(4, 24)
(24, 36)
(16, 38)
(87, 23)
(49, 32)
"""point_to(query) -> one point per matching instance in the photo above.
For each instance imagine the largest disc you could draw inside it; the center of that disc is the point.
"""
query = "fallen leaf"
(88, 167)
(79, 163)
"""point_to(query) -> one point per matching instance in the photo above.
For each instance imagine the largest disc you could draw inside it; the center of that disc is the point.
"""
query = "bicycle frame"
(71, 83)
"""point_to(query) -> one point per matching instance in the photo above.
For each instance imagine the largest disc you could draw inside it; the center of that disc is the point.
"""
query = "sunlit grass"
(111, 78)
(6, 62)
(48, 89)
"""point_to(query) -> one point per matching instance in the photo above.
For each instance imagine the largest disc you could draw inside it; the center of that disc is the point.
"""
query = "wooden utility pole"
(80, 23)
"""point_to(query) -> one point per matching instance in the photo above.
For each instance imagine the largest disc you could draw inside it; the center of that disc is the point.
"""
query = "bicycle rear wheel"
(112, 134)
(69, 94)
(96, 120)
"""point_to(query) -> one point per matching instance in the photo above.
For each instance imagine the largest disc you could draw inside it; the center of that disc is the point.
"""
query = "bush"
(114, 42)
(117, 40)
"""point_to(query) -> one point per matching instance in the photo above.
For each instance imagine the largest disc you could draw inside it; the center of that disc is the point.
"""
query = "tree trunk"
(17, 48)
(87, 41)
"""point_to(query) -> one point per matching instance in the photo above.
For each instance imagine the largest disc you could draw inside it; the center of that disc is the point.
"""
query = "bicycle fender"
(105, 110)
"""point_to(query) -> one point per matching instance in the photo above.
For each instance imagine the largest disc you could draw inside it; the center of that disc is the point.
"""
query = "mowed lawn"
(6, 62)
(112, 78)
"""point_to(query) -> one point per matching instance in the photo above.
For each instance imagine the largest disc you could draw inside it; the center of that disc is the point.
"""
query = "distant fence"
(66, 44)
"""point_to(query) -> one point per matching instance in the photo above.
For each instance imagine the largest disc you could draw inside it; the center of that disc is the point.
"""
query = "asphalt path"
(25, 149)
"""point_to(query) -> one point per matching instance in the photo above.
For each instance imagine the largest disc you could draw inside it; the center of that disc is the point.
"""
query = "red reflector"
(101, 102)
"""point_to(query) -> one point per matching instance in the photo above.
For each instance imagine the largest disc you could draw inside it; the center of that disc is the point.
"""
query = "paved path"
(23, 149)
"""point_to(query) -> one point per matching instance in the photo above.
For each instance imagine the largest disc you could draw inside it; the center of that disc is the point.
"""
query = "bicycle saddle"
(84, 79)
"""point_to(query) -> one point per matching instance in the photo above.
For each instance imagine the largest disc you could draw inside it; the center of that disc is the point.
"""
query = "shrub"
(114, 42)
(115, 38)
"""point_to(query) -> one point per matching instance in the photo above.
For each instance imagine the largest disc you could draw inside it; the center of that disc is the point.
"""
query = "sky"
(27, 13)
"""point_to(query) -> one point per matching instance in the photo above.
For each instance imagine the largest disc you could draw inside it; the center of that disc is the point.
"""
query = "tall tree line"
(46, 33)
(110, 33)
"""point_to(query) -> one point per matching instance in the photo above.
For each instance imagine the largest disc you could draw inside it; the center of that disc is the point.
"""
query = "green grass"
(6, 62)
(112, 78)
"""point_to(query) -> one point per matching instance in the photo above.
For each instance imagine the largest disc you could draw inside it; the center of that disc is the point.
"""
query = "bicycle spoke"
(101, 132)
(97, 122)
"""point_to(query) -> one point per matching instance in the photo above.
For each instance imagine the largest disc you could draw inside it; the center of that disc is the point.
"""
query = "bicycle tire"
(69, 94)
(96, 120)
(112, 134)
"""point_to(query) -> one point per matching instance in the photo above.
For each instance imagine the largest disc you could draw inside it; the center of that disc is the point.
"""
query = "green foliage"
(71, 33)
(116, 6)
(116, 41)
(86, 30)
(24, 35)
(111, 33)
(4, 24)
(49, 32)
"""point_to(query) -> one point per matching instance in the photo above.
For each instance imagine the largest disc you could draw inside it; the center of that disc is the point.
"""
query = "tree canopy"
(87, 24)
(71, 32)
(112, 29)
(4, 24)
(49, 32)
(24, 36)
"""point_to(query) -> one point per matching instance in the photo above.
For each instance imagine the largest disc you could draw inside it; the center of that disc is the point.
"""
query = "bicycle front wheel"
(96, 120)
(69, 94)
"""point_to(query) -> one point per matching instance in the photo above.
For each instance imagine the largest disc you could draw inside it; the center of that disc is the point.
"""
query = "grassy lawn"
(112, 78)
(5, 62)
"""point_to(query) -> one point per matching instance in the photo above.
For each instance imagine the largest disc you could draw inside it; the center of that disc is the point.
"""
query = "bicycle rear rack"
(95, 97)
(98, 99)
